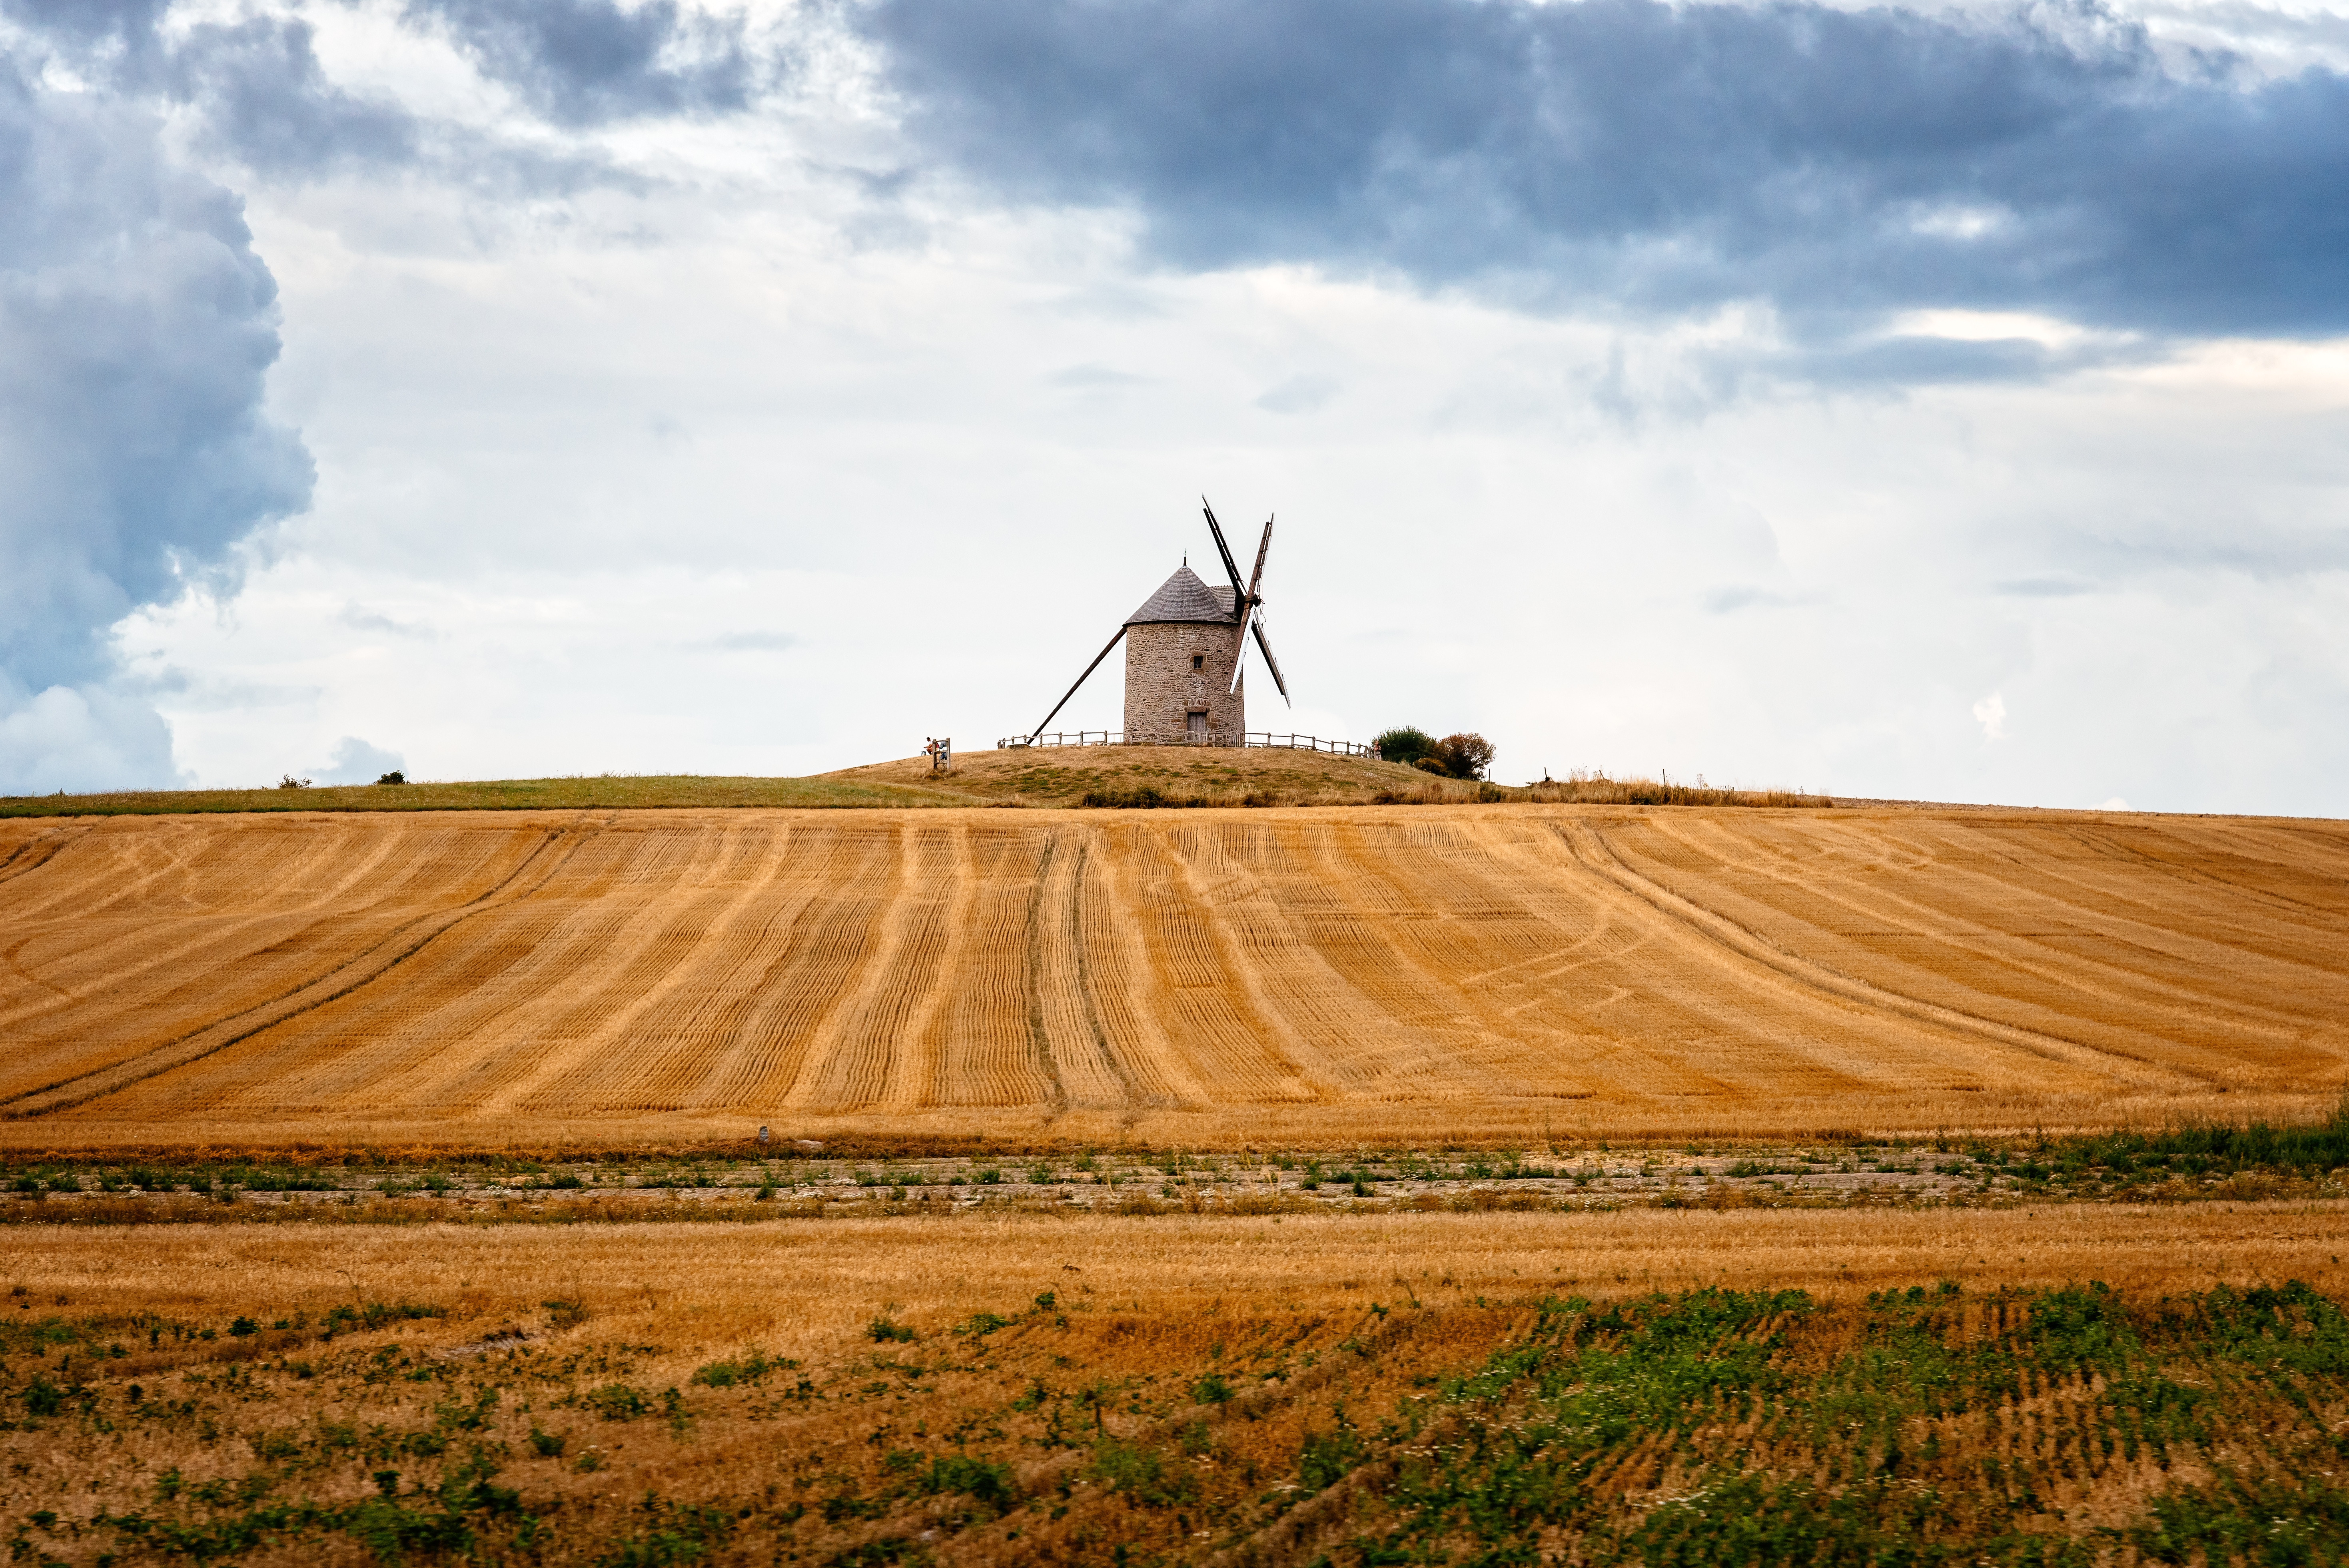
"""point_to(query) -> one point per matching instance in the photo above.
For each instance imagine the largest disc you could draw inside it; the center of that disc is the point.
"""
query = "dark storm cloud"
(261, 97)
(582, 62)
(136, 326)
(1837, 164)
(265, 100)
(256, 84)
(120, 26)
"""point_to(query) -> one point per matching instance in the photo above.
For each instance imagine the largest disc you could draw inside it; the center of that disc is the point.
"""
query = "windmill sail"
(1247, 604)
(1231, 567)
(1080, 680)
(1264, 644)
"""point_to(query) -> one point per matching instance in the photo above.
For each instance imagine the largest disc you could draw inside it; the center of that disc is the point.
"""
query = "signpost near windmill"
(1185, 650)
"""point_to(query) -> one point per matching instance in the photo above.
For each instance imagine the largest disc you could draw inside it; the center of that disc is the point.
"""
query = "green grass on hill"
(609, 791)
(1098, 776)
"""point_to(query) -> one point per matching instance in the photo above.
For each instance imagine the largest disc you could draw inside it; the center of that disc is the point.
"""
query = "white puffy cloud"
(136, 325)
(79, 739)
(358, 761)
(1990, 714)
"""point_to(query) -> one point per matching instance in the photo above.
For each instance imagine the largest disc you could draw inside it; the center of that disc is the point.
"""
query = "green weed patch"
(1728, 1427)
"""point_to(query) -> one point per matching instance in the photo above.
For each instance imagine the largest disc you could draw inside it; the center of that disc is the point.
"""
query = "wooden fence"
(1254, 738)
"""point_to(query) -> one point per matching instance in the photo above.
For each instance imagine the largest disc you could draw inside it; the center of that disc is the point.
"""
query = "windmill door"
(1196, 726)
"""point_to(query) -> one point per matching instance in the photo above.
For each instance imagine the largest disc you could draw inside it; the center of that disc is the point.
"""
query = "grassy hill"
(1167, 775)
(607, 792)
(1110, 775)
(1092, 775)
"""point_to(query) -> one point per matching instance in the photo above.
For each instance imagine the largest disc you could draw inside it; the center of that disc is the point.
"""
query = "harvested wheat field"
(1200, 979)
(2063, 1384)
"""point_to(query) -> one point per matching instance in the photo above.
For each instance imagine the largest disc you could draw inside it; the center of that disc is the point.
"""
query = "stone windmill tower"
(1183, 678)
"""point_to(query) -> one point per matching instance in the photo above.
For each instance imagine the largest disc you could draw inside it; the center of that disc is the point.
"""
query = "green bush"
(1214, 1389)
(1404, 745)
(678, 1532)
(615, 1402)
(1142, 799)
(376, 1313)
(741, 1369)
(1141, 1474)
(987, 1482)
(1330, 1457)
(1464, 756)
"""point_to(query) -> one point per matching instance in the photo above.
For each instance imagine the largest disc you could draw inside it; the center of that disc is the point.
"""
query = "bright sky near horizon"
(1938, 402)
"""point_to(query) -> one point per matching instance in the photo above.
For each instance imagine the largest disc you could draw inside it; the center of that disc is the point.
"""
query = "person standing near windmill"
(1183, 675)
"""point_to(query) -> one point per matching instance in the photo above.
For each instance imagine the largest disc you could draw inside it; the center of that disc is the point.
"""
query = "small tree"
(397, 777)
(1404, 745)
(1466, 756)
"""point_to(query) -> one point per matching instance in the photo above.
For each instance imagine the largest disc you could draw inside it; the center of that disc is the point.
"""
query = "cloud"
(585, 62)
(256, 83)
(259, 95)
(1839, 165)
(1990, 714)
(358, 762)
(1746, 596)
(265, 100)
(359, 618)
(1093, 377)
(94, 27)
(136, 328)
(2043, 587)
(78, 739)
(751, 642)
(1299, 394)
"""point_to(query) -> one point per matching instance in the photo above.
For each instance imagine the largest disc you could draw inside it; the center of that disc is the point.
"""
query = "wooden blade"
(1270, 663)
(1231, 567)
(1247, 602)
(1240, 648)
(1255, 579)
(1080, 680)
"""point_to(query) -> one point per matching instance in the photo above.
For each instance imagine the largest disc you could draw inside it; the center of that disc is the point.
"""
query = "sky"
(1934, 402)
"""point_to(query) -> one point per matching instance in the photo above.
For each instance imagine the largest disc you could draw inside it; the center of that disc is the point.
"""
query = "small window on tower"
(1198, 661)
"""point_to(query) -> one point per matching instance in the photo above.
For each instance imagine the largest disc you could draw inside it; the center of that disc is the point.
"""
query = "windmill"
(1184, 654)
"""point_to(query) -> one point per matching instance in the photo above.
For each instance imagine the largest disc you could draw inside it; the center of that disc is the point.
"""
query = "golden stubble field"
(1010, 1389)
(806, 1286)
(1200, 979)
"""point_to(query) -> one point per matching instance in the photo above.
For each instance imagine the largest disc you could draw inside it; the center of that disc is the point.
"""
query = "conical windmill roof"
(1183, 600)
